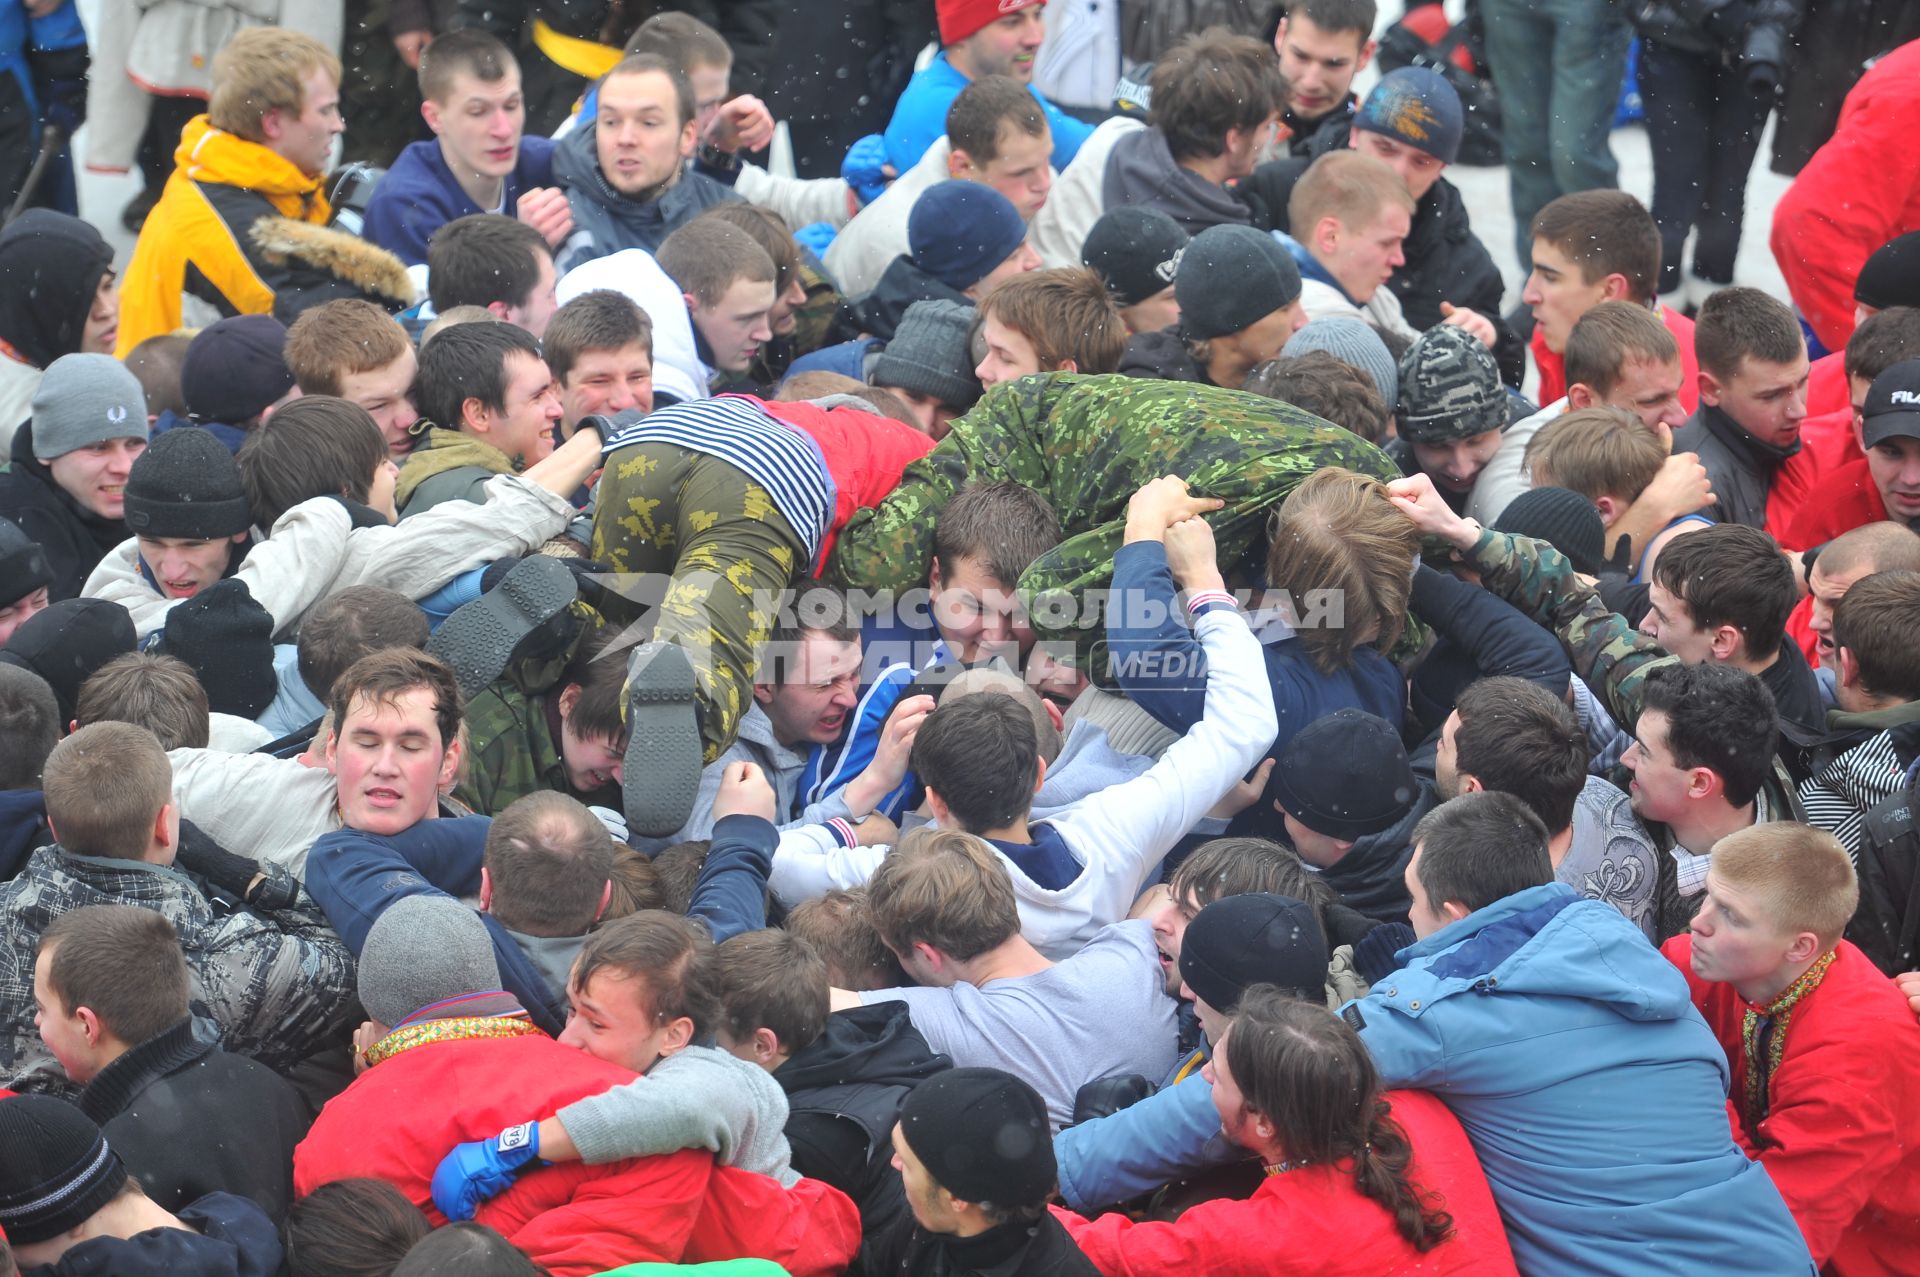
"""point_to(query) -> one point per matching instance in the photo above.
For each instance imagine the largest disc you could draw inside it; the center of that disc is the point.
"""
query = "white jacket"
(1505, 476)
(632, 271)
(1078, 198)
(315, 551)
(802, 201)
(1382, 309)
(264, 808)
(18, 381)
(1120, 834)
(867, 245)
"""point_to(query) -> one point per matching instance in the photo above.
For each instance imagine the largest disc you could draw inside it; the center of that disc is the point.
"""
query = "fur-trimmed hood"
(368, 268)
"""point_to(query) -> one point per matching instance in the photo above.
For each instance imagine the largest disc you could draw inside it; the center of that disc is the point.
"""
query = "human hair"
(124, 962)
(645, 63)
(944, 888)
(767, 229)
(1737, 323)
(1307, 1072)
(1352, 188)
(1002, 523)
(772, 980)
(596, 668)
(1605, 339)
(1066, 313)
(453, 318)
(159, 693)
(29, 726)
(1338, 537)
(1243, 866)
(820, 610)
(468, 362)
(316, 446)
(156, 363)
(351, 1228)
(548, 859)
(1596, 452)
(1883, 339)
(466, 1248)
(1479, 848)
(1337, 17)
(261, 69)
(978, 111)
(1730, 574)
(1803, 877)
(840, 928)
(1882, 546)
(348, 335)
(480, 259)
(996, 679)
(1604, 233)
(116, 819)
(1327, 387)
(636, 885)
(1212, 81)
(1718, 717)
(468, 51)
(358, 621)
(1515, 737)
(682, 40)
(668, 954)
(981, 755)
(706, 256)
(1874, 621)
(383, 677)
(601, 319)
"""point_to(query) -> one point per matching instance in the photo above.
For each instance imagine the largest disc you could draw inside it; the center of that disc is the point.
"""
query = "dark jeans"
(1704, 127)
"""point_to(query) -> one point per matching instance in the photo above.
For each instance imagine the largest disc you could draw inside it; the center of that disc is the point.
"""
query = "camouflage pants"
(671, 512)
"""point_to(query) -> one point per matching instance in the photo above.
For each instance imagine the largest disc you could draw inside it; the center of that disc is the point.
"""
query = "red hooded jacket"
(865, 454)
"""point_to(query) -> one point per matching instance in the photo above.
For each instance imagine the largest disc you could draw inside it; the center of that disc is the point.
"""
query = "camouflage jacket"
(511, 752)
(1086, 443)
(279, 985)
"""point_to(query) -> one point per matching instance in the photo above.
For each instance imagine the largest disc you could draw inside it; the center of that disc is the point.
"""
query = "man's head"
(546, 866)
(24, 578)
(599, 347)
(969, 237)
(148, 690)
(1753, 363)
(317, 446)
(30, 726)
(1453, 408)
(592, 696)
(1704, 742)
(58, 1178)
(1238, 292)
(107, 978)
(489, 381)
(1890, 434)
(644, 126)
(67, 268)
(840, 929)
(235, 371)
(1357, 344)
(1352, 212)
(929, 364)
(700, 53)
(992, 37)
(1603, 454)
(1230, 867)
(132, 817)
(974, 1152)
(1721, 594)
(983, 540)
(281, 89)
(89, 426)
(942, 898)
(1058, 320)
(1876, 661)
(999, 138)
(730, 286)
(1326, 387)
(1621, 355)
(422, 950)
(979, 757)
(357, 352)
(358, 621)
(1778, 896)
(770, 231)
(1411, 122)
(1136, 252)
(808, 680)
(1876, 547)
(1342, 777)
(157, 362)
(772, 987)
(1512, 736)
(396, 739)
(1217, 96)
(187, 508)
(496, 262)
(1241, 941)
(1323, 44)
(1345, 556)
(470, 98)
(1470, 852)
(641, 989)
(1590, 247)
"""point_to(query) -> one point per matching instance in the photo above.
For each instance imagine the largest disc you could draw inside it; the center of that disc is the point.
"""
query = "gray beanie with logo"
(1449, 388)
(83, 400)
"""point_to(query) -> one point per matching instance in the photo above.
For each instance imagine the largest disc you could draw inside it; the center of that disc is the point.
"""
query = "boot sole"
(663, 756)
(479, 638)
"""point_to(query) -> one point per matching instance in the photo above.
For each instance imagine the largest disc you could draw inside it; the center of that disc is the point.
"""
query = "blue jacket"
(920, 117)
(25, 40)
(1172, 1133)
(1593, 1092)
(419, 195)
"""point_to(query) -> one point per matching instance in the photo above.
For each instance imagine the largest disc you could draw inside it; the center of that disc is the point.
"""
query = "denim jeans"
(1558, 67)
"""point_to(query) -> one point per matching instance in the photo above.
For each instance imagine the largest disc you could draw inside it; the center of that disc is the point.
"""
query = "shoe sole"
(663, 757)
(479, 638)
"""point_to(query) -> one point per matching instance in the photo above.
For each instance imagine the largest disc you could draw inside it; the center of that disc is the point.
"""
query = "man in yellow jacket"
(243, 218)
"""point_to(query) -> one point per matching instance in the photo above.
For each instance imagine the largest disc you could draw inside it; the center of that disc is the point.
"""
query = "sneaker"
(663, 759)
(480, 638)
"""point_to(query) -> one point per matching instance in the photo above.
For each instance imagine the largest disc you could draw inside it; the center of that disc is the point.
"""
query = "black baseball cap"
(1892, 410)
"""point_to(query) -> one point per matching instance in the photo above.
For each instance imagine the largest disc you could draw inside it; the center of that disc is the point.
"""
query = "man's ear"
(1849, 667)
(1326, 234)
(1055, 715)
(1470, 784)
(689, 138)
(430, 112)
(1066, 365)
(937, 807)
(766, 1046)
(1366, 56)
(450, 764)
(1580, 395)
(1710, 388)
(1617, 287)
(272, 125)
(762, 694)
(474, 415)
(1610, 508)
(1703, 782)
(500, 311)
(90, 1026)
(1039, 774)
(1453, 911)
(933, 575)
(569, 697)
(486, 890)
(679, 1037)
(1804, 948)
(960, 165)
(1726, 642)
(163, 833)
(693, 303)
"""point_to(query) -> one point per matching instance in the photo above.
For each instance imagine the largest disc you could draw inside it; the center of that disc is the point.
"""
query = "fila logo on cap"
(1903, 396)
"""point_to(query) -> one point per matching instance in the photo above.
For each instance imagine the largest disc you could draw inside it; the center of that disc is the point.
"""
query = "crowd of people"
(1069, 689)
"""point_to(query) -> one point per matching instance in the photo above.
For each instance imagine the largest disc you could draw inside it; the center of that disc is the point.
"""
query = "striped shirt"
(1838, 797)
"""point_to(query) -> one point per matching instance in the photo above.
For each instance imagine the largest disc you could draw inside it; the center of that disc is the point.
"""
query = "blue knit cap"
(1417, 106)
(959, 231)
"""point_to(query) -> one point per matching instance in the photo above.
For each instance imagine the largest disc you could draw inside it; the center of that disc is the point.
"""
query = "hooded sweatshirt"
(74, 538)
(1142, 172)
(52, 265)
(604, 220)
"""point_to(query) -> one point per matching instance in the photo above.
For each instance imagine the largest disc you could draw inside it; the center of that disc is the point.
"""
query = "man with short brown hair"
(357, 352)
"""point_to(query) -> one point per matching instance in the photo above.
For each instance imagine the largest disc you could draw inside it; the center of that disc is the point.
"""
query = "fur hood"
(365, 266)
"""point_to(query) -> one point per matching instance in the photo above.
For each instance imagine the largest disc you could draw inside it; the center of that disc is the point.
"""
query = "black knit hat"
(67, 642)
(236, 369)
(1891, 277)
(186, 484)
(57, 1171)
(1230, 278)
(1345, 776)
(23, 564)
(1563, 519)
(1134, 251)
(983, 1135)
(226, 639)
(1259, 938)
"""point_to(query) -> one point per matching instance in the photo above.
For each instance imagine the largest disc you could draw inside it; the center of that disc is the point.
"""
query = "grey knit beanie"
(1450, 388)
(423, 950)
(928, 354)
(1230, 278)
(1353, 343)
(84, 400)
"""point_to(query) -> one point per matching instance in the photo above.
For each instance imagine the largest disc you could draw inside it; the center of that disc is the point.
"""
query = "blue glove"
(865, 167)
(815, 237)
(64, 102)
(483, 1169)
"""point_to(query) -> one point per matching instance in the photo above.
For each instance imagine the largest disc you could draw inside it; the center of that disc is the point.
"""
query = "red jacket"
(403, 1115)
(1314, 1221)
(1553, 367)
(1827, 388)
(1841, 502)
(1857, 192)
(865, 454)
(1841, 1139)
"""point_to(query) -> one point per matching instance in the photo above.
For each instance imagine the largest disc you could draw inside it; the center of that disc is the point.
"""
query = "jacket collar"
(207, 154)
(116, 1086)
(1761, 456)
(1479, 941)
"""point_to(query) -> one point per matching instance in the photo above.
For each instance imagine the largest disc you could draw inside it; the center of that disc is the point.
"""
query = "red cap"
(961, 18)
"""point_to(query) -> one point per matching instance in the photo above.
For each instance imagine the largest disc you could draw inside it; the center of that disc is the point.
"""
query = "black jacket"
(878, 314)
(1744, 32)
(75, 538)
(226, 1236)
(173, 1106)
(747, 25)
(1740, 467)
(1162, 355)
(1040, 1249)
(52, 264)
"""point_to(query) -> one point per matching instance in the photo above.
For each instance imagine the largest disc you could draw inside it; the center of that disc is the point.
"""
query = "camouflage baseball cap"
(1449, 388)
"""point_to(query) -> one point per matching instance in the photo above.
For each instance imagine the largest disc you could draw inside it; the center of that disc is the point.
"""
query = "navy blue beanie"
(959, 231)
(1415, 106)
